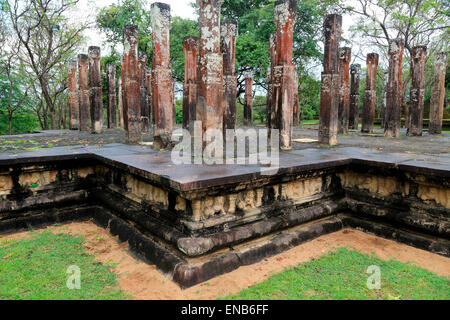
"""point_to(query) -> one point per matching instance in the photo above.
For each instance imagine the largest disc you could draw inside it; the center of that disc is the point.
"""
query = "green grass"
(341, 275)
(36, 268)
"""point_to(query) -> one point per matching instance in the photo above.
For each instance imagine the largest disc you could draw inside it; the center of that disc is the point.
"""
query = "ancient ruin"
(83, 91)
(417, 94)
(329, 94)
(228, 34)
(145, 110)
(112, 97)
(210, 67)
(161, 76)
(394, 89)
(345, 57)
(74, 108)
(438, 93)
(95, 88)
(283, 76)
(271, 113)
(248, 100)
(190, 48)
(370, 93)
(353, 118)
(131, 85)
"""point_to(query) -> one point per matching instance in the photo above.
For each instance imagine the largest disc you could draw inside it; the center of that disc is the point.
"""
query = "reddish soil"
(145, 282)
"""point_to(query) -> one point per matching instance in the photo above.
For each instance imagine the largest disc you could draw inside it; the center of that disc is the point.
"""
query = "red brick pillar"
(329, 94)
(131, 85)
(145, 125)
(112, 98)
(95, 87)
(284, 71)
(417, 93)
(271, 111)
(83, 90)
(248, 101)
(190, 48)
(229, 33)
(394, 89)
(210, 83)
(345, 57)
(438, 93)
(74, 108)
(162, 76)
(355, 71)
(370, 94)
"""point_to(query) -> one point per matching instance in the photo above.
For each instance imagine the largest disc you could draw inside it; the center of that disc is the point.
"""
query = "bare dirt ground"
(143, 281)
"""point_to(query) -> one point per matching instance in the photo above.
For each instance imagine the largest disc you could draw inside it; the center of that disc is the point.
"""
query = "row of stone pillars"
(339, 103)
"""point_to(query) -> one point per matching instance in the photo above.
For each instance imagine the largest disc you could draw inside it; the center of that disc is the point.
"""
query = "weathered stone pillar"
(162, 76)
(120, 94)
(345, 56)
(229, 33)
(145, 124)
(95, 87)
(112, 98)
(271, 111)
(74, 109)
(296, 110)
(353, 119)
(394, 89)
(438, 93)
(370, 94)
(131, 85)
(190, 48)
(210, 85)
(83, 90)
(248, 101)
(417, 93)
(284, 71)
(329, 94)
(148, 85)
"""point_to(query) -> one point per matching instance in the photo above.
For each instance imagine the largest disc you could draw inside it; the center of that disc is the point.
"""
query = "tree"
(48, 40)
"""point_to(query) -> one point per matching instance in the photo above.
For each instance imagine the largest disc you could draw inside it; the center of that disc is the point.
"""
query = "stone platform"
(198, 221)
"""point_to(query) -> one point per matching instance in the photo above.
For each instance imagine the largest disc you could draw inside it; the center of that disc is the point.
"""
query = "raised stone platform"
(197, 221)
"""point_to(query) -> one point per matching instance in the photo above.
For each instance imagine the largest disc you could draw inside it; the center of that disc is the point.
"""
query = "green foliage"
(179, 111)
(35, 269)
(341, 275)
(24, 121)
(309, 97)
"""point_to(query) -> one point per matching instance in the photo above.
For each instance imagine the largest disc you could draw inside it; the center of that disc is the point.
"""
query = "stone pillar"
(95, 87)
(148, 85)
(355, 71)
(229, 33)
(112, 98)
(370, 94)
(74, 109)
(438, 93)
(145, 124)
(394, 89)
(83, 90)
(162, 76)
(120, 94)
(345, 57)
(248, 101)
(210, 85)
(284, 71)
(417, 93)
(271, 110)
(296, 106)
(190, 49)
(329, 94)
(131, 85)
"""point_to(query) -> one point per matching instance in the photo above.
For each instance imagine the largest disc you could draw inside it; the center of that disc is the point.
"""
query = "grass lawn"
(341, 274)
(36, 268)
